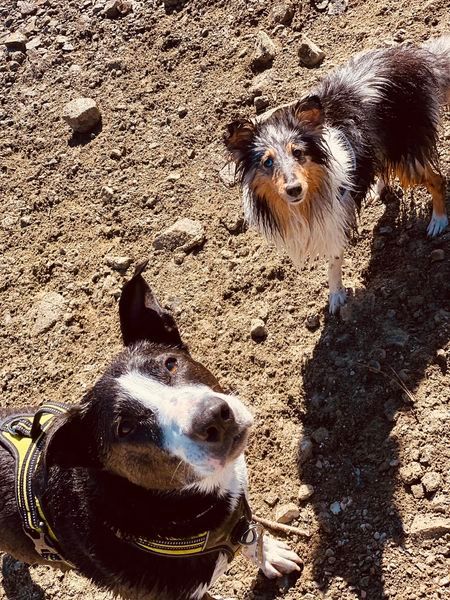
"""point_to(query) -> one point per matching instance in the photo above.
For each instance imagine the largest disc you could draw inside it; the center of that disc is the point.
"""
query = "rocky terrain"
(352, 414)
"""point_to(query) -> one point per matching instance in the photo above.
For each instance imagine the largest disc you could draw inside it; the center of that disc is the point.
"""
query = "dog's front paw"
(437, 225)
(336, 300)
(278, 559)
(274, 557)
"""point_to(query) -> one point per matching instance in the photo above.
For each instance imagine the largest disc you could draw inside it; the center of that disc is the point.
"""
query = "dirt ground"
(167, 81)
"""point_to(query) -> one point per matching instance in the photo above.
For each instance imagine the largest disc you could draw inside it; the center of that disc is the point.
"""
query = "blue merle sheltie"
(306, 167)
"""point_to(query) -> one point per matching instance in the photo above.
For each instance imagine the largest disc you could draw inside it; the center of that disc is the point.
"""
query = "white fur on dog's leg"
(338, 294)
(377, 189)
(277, 558)
(437, 225)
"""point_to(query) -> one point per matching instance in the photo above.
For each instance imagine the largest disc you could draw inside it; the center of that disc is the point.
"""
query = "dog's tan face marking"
(149, 467)
(287, 175)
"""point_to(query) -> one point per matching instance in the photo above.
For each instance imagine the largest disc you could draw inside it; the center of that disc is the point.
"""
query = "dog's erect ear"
(238, 136)
(309, 110)
(141, 316)
(70, 442)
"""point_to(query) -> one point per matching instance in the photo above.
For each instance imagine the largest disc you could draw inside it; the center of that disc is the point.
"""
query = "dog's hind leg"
(338, 294)
(435, 184)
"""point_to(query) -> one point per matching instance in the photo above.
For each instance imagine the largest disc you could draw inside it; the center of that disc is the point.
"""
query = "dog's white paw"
(276, 559)
(437, 225)
(376, 190)
(336, 300)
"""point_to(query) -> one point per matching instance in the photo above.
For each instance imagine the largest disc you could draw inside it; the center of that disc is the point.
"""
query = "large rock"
(265, 51)
(309, 53)
(117, 8)
(46, 312)
(286, 513)
(82, 114)
(282, 13)
(430, 525)
(16, 41)
(185, 234)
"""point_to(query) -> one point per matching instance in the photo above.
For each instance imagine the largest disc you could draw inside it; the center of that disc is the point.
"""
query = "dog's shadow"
(17, 582)
(392, 329)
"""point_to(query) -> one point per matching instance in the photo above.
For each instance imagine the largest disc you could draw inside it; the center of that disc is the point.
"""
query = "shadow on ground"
(392, 328)
(17, 582)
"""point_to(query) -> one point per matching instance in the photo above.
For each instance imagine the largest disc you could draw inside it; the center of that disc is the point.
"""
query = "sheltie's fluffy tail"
(440, 64)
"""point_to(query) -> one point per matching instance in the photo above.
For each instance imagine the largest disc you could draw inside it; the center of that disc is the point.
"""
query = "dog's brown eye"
(125, 427)
(171, 364)
(297, 153)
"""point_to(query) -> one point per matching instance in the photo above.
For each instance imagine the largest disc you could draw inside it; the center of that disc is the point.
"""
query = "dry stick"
(398, 381)
(280, 527)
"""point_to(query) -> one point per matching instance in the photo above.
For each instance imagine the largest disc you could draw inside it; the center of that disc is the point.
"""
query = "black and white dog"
(141, 487)
(306, 168)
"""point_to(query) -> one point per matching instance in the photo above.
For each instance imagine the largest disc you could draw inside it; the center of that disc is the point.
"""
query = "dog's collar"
(344, 191)
(24, 436)
(237, 530)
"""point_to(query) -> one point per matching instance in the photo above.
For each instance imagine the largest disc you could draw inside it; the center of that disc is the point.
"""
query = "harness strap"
(236, 531)
(24, 436)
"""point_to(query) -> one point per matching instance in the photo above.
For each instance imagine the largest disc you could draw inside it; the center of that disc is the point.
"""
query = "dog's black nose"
(213, 422)
(293, 190)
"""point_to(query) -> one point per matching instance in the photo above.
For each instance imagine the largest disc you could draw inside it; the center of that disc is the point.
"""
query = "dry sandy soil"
(167, 81)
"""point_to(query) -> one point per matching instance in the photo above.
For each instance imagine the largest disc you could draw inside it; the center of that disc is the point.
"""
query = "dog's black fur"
(86, 502)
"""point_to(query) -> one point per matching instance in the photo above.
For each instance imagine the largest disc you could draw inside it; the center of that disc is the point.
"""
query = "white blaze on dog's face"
(204, 430)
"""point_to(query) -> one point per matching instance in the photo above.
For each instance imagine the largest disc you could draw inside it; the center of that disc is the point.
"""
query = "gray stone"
(185, 234)
(411, 473)
(26, 8)
(396, 337)
(227, 174)
(309, 53)
(437, 255)
(117, 8)
(417, 491)
(320, 435)
(261, 103)
(16, 41)
(82, 114)
(258, 329)
(335, 507)
(282, 13)
(286, 513)
(305, 450)
(265, 51)
(431, 481)
(337, 7)
(261, 84)
(118, 263)
(312, 322)
(46, 312)
(305, 492)
(430, 525)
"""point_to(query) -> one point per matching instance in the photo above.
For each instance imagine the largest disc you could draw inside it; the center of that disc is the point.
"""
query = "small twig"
(274, 526)
(398, 381)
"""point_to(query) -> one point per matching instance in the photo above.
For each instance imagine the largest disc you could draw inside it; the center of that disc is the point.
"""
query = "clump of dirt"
(370, 391)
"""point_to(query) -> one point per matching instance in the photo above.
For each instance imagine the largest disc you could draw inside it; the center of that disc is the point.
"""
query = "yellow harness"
(24, 436)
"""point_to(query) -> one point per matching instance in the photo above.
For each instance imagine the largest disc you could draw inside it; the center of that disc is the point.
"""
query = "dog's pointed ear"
(309, 110)
(141, 316)
(238, 136)
(70, 442)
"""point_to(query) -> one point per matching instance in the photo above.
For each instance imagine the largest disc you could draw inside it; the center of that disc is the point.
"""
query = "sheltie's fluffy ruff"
(306, 168)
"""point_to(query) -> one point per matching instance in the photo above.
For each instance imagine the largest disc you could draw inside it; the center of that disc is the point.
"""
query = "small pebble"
(286, 513)
(437, 255)
(258, 329)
